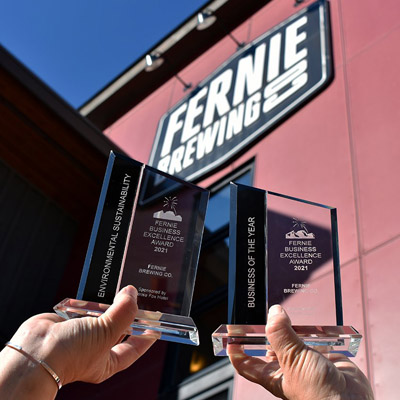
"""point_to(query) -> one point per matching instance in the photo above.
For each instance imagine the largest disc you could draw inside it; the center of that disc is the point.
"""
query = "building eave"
(179, 49)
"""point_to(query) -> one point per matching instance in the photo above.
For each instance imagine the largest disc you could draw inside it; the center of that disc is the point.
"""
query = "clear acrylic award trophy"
(284, 251)
(147, 232)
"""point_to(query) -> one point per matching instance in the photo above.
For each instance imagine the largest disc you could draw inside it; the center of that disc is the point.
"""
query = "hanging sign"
(247, 96)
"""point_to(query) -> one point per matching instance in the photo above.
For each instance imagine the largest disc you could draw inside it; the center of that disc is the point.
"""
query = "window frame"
(210, 381)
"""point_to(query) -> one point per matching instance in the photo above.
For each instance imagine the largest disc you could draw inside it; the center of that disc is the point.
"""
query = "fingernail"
(130, 291)
(275, 309)
(238, 356)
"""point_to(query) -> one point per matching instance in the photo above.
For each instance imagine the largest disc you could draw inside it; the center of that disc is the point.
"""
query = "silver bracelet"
(41, 362)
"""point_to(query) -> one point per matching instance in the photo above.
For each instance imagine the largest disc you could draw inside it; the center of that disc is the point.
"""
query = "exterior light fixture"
(153, 61)
(205, 19)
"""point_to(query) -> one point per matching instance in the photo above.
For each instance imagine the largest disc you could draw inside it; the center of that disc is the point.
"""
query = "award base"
(168, 327)
(326, 339)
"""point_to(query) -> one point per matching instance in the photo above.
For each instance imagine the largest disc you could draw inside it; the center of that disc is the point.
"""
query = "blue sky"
(78, 46)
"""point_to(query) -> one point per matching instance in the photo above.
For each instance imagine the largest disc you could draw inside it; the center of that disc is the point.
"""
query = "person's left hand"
(86, 349)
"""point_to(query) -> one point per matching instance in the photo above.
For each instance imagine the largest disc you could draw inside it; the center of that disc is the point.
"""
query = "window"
(218, 208)
(213, 383)
(210, 299)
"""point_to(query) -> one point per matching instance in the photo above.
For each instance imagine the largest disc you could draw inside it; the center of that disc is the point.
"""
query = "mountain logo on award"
(301, 232)
(170, 204)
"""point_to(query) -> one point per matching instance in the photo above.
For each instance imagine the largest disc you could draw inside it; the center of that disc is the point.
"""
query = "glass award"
(147, 232)
(283, 250)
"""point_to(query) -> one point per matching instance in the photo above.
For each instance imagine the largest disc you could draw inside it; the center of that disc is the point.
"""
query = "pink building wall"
(341, 149)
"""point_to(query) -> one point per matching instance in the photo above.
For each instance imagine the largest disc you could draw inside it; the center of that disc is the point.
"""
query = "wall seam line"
(354, 173)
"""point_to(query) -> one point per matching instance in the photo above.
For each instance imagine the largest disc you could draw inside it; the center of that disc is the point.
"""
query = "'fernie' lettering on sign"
(246, 96)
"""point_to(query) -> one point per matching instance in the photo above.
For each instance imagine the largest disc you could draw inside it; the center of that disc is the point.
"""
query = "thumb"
(283, 339)
(122, 312)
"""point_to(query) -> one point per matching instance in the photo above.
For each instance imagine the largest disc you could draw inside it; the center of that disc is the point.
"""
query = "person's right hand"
(294, 371)
(86, 349)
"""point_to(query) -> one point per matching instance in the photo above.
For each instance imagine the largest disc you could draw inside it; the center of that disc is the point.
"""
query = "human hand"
(294, 371)
(86, 349)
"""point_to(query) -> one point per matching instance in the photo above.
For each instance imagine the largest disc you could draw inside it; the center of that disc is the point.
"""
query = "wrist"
(38, 342)
(36, 361)
(22, 378)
